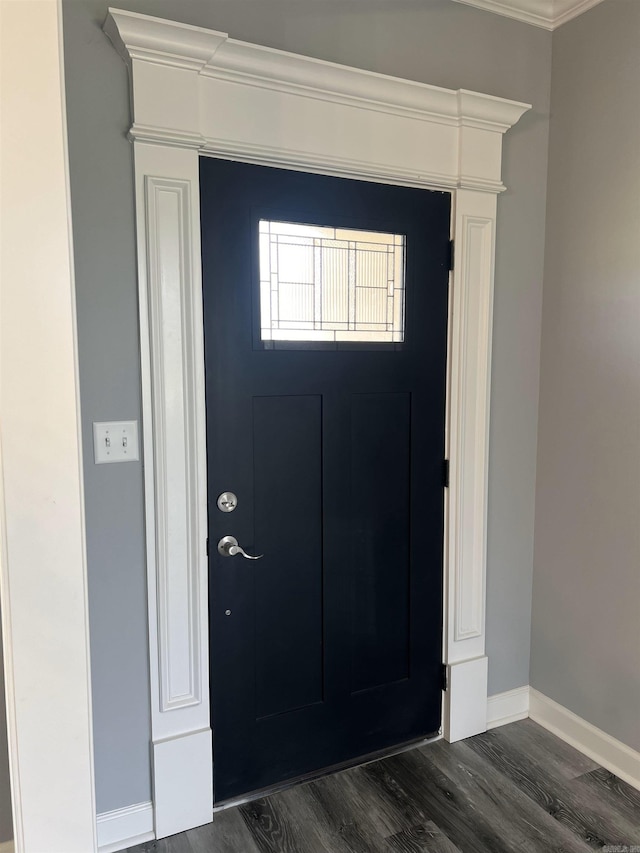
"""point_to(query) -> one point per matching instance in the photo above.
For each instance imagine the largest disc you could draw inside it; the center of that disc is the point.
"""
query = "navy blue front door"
(329, 647)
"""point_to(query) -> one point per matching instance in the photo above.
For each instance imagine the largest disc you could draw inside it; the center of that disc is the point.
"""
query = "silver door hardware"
(228, 547)
(227, 502)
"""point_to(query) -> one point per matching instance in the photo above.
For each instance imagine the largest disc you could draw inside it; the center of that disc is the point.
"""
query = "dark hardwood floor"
(516, 788)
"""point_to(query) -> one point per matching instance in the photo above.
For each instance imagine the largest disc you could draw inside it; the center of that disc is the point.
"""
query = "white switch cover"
(115, 441)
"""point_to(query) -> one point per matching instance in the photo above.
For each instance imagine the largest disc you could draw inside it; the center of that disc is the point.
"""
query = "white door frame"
(196, 91)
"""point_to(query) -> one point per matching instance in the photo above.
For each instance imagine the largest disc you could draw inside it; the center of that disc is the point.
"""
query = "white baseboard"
(507, 707)
(593, 742)
(123, 828)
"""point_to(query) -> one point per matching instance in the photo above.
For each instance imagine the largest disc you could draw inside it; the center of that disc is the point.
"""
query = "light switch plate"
(115, 441)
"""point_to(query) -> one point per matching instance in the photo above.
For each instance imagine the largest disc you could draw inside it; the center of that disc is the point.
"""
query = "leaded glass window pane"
(319, 283)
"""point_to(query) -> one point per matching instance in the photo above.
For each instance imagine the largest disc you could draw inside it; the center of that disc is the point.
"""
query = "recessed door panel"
(380, 536)
(287, 462)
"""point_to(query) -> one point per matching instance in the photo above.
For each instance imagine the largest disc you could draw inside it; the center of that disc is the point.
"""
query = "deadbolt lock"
(227, 502)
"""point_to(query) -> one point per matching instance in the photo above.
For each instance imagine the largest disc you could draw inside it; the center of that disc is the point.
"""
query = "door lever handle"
(228, 547)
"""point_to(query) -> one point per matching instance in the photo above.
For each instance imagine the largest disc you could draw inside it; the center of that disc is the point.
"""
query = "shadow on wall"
(6, 823)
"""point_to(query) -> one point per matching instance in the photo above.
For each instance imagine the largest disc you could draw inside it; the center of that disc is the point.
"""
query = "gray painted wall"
(435, 41)
(6, 820)
(586, 631)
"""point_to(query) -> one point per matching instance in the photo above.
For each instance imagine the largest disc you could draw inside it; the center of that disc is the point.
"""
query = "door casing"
(197, 92)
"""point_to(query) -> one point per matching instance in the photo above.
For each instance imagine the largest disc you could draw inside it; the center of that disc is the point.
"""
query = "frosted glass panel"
(320, 283)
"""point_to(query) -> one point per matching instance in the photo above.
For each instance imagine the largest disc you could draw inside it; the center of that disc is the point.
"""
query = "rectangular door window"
(320, 283)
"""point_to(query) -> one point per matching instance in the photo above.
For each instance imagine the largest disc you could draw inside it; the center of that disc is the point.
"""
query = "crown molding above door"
(548, 14)
(200, 66)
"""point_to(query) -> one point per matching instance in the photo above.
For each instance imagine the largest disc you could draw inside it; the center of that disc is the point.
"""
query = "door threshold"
(326, 771)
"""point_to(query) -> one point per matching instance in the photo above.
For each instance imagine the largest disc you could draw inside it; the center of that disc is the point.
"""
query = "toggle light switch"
(115, 441)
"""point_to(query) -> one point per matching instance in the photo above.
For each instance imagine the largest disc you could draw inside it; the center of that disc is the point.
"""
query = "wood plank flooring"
(516, 788)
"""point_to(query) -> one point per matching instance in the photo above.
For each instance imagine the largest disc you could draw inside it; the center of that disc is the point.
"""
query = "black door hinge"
(451, 254)
(445, 473)
(443, 676)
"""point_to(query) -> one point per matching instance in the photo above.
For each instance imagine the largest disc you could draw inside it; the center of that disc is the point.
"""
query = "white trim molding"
(172, 351)
(175, 392)
(465, 699)
(176, 69)
(197, 92)
(616, 756)
(125, 827)
(507, 707)
(548, 14)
